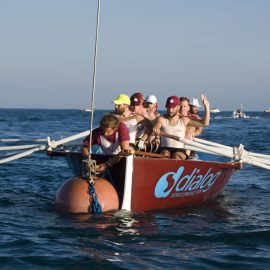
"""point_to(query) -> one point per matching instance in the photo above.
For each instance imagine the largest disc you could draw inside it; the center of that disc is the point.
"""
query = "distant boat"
(267, 110)
(215, 110)
(86, 110)
(239, 113)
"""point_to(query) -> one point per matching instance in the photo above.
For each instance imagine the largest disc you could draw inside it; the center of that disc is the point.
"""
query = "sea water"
(232, 232)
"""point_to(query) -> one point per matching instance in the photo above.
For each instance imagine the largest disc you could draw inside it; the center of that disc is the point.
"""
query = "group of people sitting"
(135, 123)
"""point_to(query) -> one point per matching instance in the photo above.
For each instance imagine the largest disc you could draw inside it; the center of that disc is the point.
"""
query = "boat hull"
(145, 184)
(162, 183)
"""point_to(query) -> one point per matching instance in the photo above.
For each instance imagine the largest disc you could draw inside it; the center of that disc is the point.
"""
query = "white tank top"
(132, 125)
(179, 130)
(108, 147)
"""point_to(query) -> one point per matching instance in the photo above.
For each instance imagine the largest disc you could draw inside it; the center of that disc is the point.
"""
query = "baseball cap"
(151, 98)
(137, 98)
(122, 99)
(194, 102)
(172, 102)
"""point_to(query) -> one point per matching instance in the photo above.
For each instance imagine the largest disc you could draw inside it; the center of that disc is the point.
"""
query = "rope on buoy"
(90, 166)
(95, 205)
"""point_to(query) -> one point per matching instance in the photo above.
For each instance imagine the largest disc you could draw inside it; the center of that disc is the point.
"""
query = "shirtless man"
(174, 123)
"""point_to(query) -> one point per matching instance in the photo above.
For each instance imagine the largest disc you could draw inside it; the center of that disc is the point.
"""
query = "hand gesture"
(205, 102)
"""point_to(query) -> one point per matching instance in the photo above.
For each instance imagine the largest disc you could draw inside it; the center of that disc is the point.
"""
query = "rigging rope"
(94, 79)
(95, 206)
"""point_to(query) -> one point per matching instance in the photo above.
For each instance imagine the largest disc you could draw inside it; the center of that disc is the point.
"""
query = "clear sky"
(164, 47)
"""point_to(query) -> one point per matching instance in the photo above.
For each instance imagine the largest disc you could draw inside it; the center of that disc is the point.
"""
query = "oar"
(260, 155)
(142, 153)
(23, 154)
(256, 155)
(188, 144)
(21, 140)
(51, 144)
(230, 152)
(211, 143)
(18, 147)
(238, 154)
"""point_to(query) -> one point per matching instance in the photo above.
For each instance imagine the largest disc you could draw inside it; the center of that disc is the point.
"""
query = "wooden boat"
(148, 183)
(143, 183)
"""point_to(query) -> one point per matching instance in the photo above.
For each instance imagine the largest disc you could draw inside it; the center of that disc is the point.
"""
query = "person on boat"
(132, 120)
(193, 112)
(185, 111)
(137, 103)
(137, 107)
(184, 106)
(151, 113)
(190, 109)
(110, 138)
(194, 106)
(151, 106)
(191, 131)
(175, 124)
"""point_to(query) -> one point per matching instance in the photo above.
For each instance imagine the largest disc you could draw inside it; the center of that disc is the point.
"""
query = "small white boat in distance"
(267, 110)
(239, 113)
(86, 110)
(215, 110)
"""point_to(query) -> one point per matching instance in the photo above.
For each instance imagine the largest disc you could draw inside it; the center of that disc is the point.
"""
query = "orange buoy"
(73, 196)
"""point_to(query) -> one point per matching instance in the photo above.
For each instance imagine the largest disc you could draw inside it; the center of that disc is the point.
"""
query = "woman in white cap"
(151, 105)
(192, 132)
(194, 109)
(194, 105)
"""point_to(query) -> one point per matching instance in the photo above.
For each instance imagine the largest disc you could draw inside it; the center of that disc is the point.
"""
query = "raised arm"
(206, 118)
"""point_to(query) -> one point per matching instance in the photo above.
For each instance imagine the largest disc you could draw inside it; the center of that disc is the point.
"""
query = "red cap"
(137, 99)
(172, 102)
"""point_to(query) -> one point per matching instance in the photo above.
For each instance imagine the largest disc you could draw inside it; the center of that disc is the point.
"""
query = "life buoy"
(73, 196)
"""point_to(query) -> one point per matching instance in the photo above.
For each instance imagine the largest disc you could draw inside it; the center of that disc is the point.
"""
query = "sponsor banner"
(180, 184)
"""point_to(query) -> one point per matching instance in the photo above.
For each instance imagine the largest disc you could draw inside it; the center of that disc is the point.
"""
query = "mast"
(94, 79)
